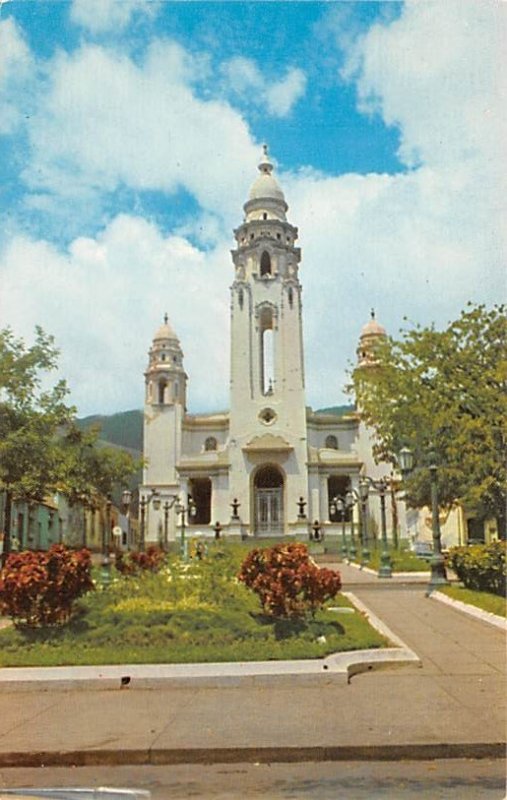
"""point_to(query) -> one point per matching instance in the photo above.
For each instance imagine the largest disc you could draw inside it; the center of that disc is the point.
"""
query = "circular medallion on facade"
(267, 415)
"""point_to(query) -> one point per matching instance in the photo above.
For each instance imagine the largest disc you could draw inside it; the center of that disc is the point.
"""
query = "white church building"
(270, 466)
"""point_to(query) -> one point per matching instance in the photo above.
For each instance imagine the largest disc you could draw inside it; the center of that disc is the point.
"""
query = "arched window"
(264, 216)
(267, 351)
(162, 386)
(291, 296)
(210, 443)
(332, 442)
(265, 263)
(241, 298)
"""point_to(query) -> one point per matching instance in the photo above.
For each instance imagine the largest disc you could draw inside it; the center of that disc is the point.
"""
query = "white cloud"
(106, 122)
(103, 16)
(16, 69)
(104, 297)
(438, 74)
(418, 244)
(242, 75)
(282, 96)
(276, 97)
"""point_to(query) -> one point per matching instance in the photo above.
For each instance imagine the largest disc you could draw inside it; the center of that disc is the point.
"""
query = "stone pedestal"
(235, 529)
(300, 530)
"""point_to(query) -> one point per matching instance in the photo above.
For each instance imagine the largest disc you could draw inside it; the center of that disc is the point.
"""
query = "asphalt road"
(424, 780)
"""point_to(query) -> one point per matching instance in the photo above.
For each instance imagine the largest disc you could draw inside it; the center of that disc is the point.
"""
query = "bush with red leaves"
(38, 588)
(287, 581)
(135, 562)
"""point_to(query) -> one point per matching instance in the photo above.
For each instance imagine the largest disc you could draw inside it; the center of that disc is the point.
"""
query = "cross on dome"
(265, 164)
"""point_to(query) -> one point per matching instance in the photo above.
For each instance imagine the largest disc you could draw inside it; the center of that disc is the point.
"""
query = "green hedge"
(480, 567)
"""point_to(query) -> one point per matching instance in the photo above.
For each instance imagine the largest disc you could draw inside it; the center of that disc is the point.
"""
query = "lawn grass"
(401, 560)
(485, 600)
(193, 613)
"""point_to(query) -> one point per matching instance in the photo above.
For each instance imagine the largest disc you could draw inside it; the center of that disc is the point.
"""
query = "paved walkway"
(453, 705)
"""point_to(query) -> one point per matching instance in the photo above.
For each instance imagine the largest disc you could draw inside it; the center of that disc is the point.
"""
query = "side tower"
(164, 408)
(371, 334)
(267, 444)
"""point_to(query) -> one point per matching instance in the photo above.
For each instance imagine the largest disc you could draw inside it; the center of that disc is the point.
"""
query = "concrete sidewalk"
(452, 706)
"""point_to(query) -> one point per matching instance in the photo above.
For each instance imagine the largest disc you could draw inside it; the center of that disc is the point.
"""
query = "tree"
(444, 391)
(90, 471)
(30, 417)
(42, 451)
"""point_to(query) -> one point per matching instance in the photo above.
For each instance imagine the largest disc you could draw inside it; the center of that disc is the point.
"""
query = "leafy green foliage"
(39, 589)
(29, 417)
(88, 471)
(444, 391)
(41, 449)
(481, 567)
(287, 582)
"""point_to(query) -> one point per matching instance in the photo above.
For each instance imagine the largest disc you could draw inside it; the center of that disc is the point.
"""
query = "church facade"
(270, 466)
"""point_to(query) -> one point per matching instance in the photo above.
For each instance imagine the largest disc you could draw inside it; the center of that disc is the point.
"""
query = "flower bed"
(198, 612)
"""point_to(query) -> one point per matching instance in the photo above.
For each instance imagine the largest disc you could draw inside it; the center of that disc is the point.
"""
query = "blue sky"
(130, 131)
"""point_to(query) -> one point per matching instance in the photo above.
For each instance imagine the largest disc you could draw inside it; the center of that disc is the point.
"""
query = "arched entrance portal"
(268, 501)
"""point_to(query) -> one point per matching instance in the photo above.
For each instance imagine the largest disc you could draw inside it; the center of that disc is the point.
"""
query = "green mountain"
(124, 429)
(337, 411)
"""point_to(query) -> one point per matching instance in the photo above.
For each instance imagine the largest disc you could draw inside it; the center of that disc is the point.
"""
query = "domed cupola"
(165, 376)
(371, 335)
(266, 240)
(266, 200)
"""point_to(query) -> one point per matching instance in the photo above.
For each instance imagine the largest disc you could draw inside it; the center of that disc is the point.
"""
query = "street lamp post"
(106, 532)
(191, 511)
(363, 500)
(144, 502)
(167, 506)
(351, 498)
(342, 510)
(438, 573)
(339, 505)
(381, 486)
(126, 499)
(385, 570)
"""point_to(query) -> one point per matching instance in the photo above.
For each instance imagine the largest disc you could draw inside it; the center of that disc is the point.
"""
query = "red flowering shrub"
(287, 581)
(40, 588)
(135, 562)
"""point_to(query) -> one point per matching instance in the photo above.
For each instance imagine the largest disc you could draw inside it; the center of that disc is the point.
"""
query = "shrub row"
(481, 567)
(39, 588)
(287, 582)
(135, 562)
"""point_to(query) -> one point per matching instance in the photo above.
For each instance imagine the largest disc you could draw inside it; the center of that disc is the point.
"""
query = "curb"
(266, 755)
(472, 611)
(334, 668)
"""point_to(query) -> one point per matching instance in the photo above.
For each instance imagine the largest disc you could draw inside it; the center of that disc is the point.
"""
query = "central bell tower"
(267, 413)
